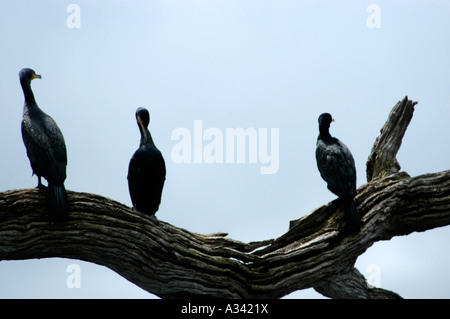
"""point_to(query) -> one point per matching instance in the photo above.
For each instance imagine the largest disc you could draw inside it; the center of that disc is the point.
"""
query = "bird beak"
(36, 76)
(332, 119)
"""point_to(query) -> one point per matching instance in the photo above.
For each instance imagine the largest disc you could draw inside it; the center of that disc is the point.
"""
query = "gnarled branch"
(172, 262)
(382, 159)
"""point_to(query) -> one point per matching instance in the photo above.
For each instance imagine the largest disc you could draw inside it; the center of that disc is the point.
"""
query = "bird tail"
(58, 201)
(352, 216)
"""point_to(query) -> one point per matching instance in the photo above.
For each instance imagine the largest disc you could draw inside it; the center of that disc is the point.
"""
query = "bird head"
(28, 74)
(325, 119)
(142, 117)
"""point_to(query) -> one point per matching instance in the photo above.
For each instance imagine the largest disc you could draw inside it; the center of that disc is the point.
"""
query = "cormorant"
(45, 146)
(146, 171)
(337, 167)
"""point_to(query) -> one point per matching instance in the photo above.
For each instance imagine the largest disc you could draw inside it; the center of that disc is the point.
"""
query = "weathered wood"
(352, 284)
(170, 262)
(382, 159)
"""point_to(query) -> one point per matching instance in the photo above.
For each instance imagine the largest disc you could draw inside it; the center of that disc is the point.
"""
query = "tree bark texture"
(317, 250)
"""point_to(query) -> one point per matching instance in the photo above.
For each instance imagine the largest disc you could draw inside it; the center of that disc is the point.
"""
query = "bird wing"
(57, 150)
(45, 146)
(337, 167)
(146, 177)
(133, 176)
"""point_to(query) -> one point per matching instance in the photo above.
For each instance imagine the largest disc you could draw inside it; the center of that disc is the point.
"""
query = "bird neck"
(324, 133)
(146, 137)
(28, 93)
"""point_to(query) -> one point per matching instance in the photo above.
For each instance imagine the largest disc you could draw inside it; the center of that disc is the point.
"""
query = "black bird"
(146, 171)
(45, 146)
(337, 167)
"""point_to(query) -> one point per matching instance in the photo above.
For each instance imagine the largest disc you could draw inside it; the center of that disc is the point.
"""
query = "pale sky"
(263, 66)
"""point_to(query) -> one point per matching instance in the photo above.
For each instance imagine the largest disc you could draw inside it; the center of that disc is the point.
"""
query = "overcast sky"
(203, 68)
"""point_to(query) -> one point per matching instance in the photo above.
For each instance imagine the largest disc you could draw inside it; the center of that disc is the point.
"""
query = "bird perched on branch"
(45, 147)
(337, 167)
(146, 171)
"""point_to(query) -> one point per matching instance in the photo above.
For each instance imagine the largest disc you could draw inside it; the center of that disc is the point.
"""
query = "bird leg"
(40, 185)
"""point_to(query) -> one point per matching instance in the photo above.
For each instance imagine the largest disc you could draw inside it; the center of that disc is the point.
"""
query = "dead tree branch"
(382, 159)
(172, 262)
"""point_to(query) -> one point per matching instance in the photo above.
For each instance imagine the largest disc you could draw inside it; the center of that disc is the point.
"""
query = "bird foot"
(151, 216)
(41, 186)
